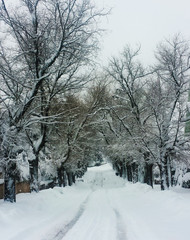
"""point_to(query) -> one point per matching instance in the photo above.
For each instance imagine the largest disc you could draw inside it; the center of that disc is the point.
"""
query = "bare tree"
(77, 133)
(131, 112)
(166, 101)
(151, 109)
(45, 44)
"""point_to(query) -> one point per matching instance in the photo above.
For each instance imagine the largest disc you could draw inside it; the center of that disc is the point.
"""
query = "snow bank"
(151, 214)
(110, 207)
(36, 216)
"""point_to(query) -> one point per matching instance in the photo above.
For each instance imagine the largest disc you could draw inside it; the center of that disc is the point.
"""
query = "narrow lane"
(99, 220)
(105, 213)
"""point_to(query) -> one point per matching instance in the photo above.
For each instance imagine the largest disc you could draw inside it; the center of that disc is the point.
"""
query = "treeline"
(149, 114)
(137, 117)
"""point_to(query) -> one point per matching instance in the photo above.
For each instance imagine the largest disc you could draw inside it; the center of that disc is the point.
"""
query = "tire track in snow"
(121, 233)
(97, 183)
(71, 224)
(121, 230)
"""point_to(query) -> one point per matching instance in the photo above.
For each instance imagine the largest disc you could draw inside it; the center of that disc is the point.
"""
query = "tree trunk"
(9, 183)
(148, 174)
(33, 170)
(65, 180)
(170, 172)
(167, 176)
(148, 178)
(164, 177)
(134, 172)
(62, 177)
(118, 168)
(129, 173)
(121, 169)
(173, 182)
(124, 171)
(70, 178)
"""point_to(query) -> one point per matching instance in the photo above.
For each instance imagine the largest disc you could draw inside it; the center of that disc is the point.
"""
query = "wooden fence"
(21, 187)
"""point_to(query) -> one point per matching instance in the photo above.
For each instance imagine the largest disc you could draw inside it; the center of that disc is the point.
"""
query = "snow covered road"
(99, 220)
(96, 218)
(103, 207)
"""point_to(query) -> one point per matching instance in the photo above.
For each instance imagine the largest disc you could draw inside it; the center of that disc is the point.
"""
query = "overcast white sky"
(143, 21)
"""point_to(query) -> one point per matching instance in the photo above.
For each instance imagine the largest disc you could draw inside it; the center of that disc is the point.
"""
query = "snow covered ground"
(103, 207)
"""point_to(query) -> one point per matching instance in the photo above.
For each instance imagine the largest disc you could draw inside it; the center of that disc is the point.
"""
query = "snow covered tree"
(148, 112)
(130, 111)
(167, 97)
(65, 148)
(43, 44)
(76, 136)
